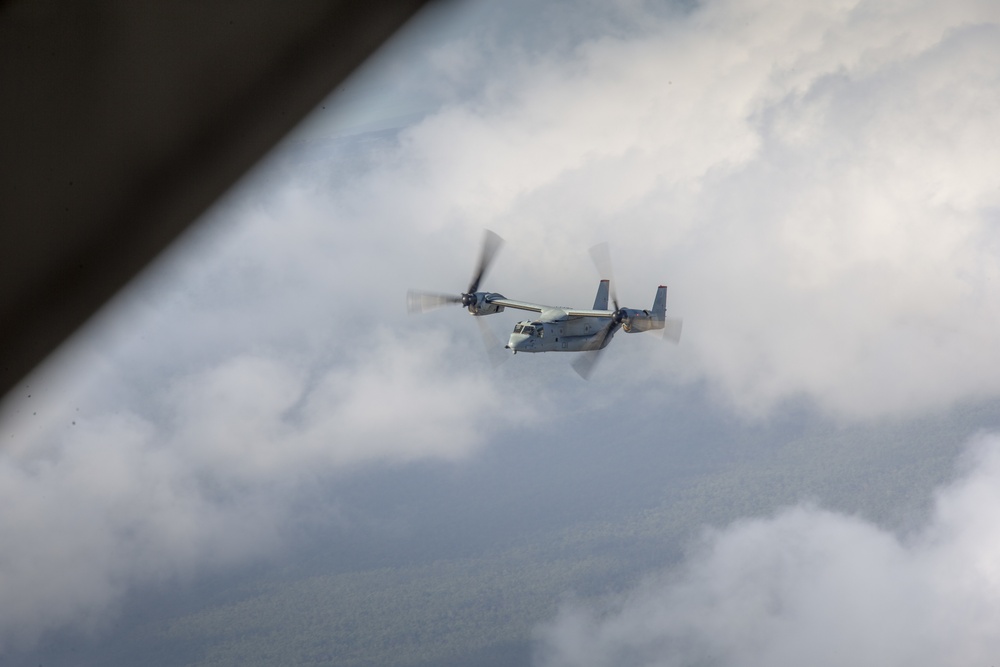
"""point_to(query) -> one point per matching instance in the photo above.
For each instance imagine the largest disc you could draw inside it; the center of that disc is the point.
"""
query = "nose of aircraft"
(515, 342)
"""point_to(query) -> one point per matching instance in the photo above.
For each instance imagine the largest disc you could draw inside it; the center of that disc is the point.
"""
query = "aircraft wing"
(575, 312)
(519, 305)
(541, 308)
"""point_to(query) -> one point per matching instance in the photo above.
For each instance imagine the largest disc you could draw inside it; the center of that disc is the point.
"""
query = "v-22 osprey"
(555, 328)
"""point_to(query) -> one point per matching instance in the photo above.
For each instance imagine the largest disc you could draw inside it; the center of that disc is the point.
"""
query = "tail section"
(671, 325)
(659, 310)
(654, 319)
(601, 301)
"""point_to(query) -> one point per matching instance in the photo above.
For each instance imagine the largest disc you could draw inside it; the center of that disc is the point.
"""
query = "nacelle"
(637, 321)
(480, 304)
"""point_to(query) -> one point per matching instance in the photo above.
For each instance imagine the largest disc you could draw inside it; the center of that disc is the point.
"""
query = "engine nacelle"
(638, 321)
(479, 303)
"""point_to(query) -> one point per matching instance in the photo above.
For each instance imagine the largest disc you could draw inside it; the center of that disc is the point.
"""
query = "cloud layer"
(814, 183)
(97, 503)
(814, 587)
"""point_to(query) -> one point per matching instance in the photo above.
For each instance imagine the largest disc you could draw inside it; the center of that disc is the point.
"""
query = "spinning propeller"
(584, 364)
(418, 301)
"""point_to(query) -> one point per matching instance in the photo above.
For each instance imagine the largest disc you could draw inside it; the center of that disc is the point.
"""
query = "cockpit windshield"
(525, 329)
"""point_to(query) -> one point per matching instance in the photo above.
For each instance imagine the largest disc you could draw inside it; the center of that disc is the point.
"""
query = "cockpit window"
(528, 330)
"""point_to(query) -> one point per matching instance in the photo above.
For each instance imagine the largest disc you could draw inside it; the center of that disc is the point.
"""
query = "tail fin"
(653, 319)
(659, 309)
(601, 301)
(671, 326)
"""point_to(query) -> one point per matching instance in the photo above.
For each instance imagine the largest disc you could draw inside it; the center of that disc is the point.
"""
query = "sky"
(816, 182)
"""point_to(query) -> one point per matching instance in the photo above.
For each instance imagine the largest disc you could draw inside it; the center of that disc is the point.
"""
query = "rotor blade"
(601, 255)
(420, 302)
(584, 364)
(491, 243)
(494, 348)
(672, 329)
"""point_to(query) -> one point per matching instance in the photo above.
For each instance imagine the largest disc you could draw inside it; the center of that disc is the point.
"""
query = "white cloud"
(95, 503)
(813, 587)
(814, 182)
(258, 418)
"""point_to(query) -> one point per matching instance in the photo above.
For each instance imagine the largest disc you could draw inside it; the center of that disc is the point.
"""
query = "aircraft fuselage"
(556, 331)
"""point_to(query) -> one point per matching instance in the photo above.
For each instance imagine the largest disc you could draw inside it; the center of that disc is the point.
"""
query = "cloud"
(813, 182)
(814, 587)
(96, 503)
(264, 420)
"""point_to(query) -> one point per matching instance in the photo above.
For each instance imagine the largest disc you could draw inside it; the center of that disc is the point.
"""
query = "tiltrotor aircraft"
(556, 328)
